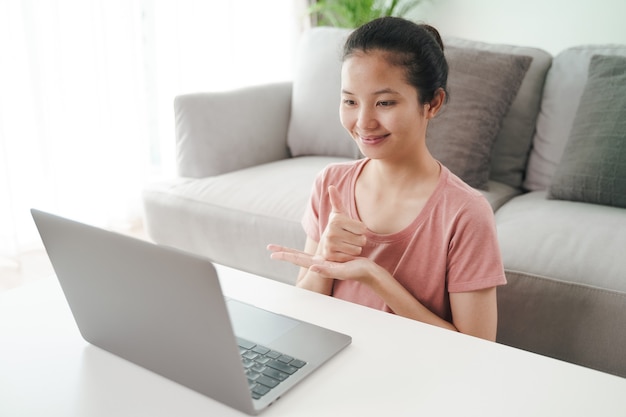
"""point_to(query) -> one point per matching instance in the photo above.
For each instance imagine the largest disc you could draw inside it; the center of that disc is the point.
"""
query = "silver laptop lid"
(157, 307)
(163, 309)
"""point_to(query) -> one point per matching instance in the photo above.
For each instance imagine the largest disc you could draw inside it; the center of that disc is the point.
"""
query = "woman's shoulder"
(456, 185)
(459, 193)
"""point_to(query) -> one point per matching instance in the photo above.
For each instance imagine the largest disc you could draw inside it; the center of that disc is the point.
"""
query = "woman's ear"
(436, 103)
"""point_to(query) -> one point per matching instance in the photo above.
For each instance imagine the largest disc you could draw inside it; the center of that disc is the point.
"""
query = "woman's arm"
(474, 313)
(399, 300)
(308, 279)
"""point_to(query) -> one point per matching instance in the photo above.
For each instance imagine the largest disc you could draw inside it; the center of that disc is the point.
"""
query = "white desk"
(394, 367)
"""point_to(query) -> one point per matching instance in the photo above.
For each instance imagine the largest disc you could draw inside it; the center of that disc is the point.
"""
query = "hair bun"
(433, 32)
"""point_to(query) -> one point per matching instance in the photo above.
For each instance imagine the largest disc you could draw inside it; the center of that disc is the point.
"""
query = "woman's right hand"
(344, 237)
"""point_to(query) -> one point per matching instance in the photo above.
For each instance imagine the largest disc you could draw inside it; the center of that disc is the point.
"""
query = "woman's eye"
(349, 102)
(386, 103)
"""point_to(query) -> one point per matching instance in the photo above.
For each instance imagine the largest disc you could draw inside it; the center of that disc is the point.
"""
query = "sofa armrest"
(225, 131)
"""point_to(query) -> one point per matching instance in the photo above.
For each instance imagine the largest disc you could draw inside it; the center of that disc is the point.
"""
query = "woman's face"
(379, 109)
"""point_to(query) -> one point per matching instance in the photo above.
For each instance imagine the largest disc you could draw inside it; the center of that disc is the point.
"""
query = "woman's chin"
(371, 148)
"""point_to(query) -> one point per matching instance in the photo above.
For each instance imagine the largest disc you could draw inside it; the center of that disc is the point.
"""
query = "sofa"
(551, 163)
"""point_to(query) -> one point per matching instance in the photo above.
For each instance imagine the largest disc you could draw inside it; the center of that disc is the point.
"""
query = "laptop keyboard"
(265, 368)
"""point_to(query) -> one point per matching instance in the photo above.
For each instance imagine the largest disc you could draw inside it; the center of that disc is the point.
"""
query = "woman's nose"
(366, 119)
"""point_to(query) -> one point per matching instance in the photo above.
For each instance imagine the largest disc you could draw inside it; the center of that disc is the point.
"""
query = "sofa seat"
(530, 226)
(233, 216)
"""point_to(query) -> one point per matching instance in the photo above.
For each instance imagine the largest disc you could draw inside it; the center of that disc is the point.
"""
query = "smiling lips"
(372, 140)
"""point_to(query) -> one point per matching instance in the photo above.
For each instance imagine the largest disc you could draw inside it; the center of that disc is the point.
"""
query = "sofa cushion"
(570, 241)
(231, 218)
(498, 193)
(482, 86)
(210, 125)
(511, 148)
(593, 166)
(564, 86)
(314, 127)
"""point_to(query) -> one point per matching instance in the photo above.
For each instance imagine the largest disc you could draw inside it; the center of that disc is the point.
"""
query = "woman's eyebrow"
(375, 93)
(385, 91)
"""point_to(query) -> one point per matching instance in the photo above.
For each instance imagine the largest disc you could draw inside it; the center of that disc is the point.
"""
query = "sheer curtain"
(86, 94)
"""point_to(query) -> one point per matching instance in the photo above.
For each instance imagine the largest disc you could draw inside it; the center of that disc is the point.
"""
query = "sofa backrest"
(564, 86)
(315, 128)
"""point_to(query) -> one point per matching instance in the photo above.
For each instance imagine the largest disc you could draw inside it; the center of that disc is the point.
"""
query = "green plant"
(354, 13)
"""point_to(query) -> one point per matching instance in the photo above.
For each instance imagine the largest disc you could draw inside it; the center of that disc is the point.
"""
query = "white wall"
(553, 25)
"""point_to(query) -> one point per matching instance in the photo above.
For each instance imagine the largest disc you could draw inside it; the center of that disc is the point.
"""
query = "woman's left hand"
(359, 269)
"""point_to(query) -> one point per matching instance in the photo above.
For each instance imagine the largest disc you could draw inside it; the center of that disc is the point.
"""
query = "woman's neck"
(406, 174)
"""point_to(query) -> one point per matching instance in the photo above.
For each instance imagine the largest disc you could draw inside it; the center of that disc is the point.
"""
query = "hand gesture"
(358, 268)
(344, 237)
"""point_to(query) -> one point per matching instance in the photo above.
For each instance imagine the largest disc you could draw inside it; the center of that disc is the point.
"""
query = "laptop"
(163, 309)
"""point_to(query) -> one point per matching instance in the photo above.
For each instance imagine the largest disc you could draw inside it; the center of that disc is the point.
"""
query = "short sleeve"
(474, 259)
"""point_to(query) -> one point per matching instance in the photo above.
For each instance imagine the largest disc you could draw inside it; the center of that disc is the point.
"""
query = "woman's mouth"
(372, 139)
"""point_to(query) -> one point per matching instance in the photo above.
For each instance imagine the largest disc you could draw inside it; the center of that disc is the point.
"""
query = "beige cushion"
(593, 166)
(482, 86)
(314, 127)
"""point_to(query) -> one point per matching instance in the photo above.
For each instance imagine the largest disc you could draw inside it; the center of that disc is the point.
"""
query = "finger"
(295, 257)
(335, 200)
(346, 231)
(277, 248)
(345, 222)
(338, 256)
(327, 269)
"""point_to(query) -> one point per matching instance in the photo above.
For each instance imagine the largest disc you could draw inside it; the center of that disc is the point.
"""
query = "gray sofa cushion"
(565, 240)
(564, 86)
(593, 166)
(482, 86)
(512, 145)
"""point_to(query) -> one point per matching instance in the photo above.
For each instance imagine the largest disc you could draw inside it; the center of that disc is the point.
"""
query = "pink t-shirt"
(451, 246)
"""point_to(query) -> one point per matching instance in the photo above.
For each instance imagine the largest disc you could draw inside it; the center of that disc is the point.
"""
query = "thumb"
(335, 200)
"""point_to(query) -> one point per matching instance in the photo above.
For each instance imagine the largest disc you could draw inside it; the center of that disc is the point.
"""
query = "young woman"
(396, 230)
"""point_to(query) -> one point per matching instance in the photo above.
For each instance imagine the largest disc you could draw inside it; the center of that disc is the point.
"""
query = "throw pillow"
(482, 85)
(593, 165)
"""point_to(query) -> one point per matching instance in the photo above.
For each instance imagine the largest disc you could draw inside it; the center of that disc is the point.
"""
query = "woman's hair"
(416, 47)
